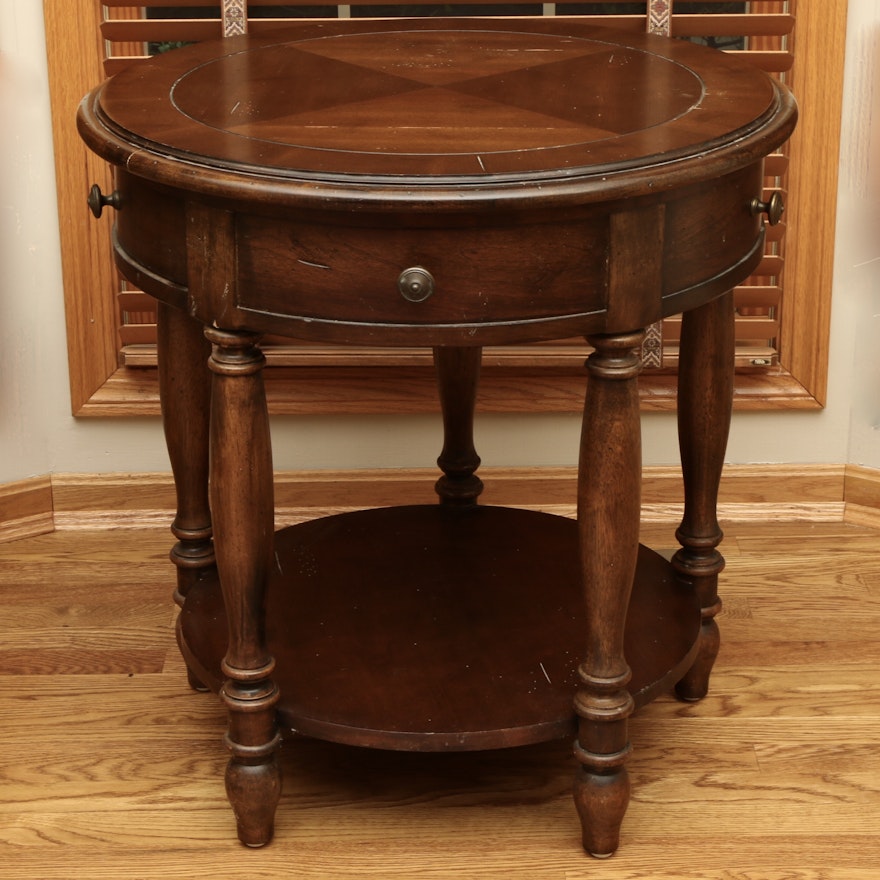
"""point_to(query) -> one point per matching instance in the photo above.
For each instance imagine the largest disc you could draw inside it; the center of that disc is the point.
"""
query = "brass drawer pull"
(415, 284)
(774, 208)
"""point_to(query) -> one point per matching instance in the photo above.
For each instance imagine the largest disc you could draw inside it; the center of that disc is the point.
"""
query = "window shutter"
(761, 31)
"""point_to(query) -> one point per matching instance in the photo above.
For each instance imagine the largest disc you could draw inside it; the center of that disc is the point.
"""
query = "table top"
(435, 106)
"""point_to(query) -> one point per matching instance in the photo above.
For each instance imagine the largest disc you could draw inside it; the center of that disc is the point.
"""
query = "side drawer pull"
(773, 208)
(98, 201)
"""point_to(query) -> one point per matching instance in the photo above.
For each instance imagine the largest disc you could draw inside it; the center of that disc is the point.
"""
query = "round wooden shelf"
(438, 628)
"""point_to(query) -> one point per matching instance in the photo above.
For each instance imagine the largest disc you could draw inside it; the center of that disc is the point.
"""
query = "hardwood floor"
(110, 767)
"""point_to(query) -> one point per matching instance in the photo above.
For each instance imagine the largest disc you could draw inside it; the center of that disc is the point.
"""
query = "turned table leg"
(609, 492)
(705, 396)
(243, 507)
(458, 374)
(184, 391)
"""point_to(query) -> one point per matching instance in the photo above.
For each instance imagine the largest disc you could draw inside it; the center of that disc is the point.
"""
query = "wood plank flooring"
(111, 768)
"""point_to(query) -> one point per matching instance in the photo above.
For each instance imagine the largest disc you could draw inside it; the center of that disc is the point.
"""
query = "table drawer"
(480, 275)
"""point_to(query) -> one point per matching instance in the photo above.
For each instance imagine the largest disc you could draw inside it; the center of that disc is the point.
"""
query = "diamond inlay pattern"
(434, 102)
(551, 91)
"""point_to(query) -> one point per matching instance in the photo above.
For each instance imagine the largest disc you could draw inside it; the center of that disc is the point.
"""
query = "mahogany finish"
(445, 183)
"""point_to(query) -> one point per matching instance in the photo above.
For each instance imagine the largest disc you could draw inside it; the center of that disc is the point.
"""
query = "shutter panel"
(759, 30)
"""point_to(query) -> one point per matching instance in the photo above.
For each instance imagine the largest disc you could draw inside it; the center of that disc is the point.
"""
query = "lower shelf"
(433, 628)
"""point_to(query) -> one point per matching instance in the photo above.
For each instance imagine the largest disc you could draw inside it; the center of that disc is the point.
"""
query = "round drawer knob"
(415, 284)
(98, 201)
(773, 208)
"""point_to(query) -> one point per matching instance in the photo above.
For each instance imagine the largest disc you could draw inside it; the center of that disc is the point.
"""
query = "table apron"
(508, 277)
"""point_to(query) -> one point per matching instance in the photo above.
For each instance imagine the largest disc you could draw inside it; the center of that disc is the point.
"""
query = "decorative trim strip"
(652, 346)
(234, 18)
(660, 17)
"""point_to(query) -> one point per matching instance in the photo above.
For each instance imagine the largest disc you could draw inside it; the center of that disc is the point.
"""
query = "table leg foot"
(695, 684)
(253, 793)
(601, 799)
(601, 803)
(253, 774)
(193, 556)
(195, 682)
(193, 679)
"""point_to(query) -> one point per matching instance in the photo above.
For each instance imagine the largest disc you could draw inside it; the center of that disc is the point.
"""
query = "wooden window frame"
(99, 387)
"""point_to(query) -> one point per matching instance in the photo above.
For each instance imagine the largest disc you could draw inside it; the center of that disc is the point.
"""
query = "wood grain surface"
(110, 767)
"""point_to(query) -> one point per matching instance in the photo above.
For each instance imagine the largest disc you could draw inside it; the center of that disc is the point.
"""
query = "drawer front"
(471, 276)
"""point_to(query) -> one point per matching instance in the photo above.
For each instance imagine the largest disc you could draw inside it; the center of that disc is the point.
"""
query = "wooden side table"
(444, 183)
